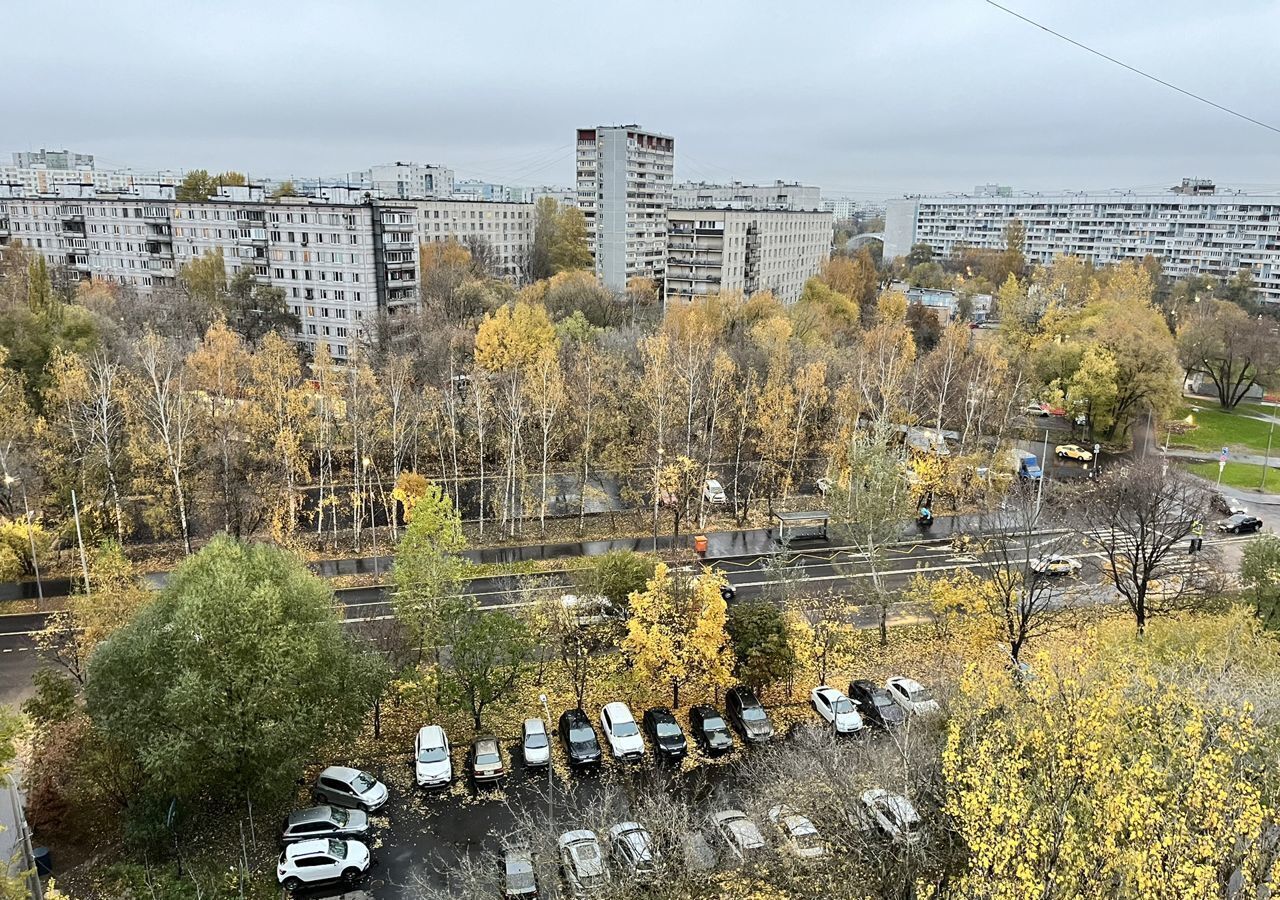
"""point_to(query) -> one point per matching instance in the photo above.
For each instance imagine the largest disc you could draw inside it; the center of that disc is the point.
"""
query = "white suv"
(621, 731)
(320, 861)
(431, 761)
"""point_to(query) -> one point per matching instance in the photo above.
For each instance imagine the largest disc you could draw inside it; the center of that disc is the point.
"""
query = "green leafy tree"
(545, 218)
(255, 310)
(233, 678)
(488, 652)
(195, 185)
(39, 285)
(617, 574)
(762, 647)
(428, 570)
(1260, 575)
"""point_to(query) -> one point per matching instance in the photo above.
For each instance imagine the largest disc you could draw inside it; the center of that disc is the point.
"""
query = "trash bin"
(700, 543)
(44, 862)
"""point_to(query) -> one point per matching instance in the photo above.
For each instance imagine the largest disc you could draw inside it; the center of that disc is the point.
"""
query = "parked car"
(587, 610)
(582, 863)
(890, 814)
(323, 822)
(799, 836)
(486, 760)
(710, 731)
(837, 709)
(727, 591)
(1073, 451)
(352, 788)
(713, 492)
(912, 696)
(534, 746)
(876, 704)
(621, 732)
(322, 861)
(633, 850)
(664, 734)
(696, 851)
(519, 880)
(431, 763)
(748, 714)
(579, 739)
(739, 834)
(1035, 409)
(1055, 564)
(1240, 523)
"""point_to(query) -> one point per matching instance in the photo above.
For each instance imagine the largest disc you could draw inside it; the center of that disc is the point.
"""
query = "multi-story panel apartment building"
(1196, 229)
(125, 238)
(736, 195)
(405, 180)
(625, 177)
(744, 251)
(339, 263)
(45, 171)
(506, 227)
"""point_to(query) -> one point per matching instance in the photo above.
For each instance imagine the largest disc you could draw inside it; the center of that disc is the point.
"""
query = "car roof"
(798, 824)
(574, 715)
(909, 683)
(307, 848)
(536, 725)
(311, 814)
(704, 710)
(484, 739)
(660, 712)
(618, 711)
(342, 773)
(431, 734)
(571, 837)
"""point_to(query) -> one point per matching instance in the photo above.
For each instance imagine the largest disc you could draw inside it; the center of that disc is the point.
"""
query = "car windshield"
(432, 755)
(364, 781)
(842, 705)
(753, 714)
(921, 695)
(625, 729)
(580, 734)
(338, 849)
(883, 701)
(713, 723)
(535, 740)
(339, 816)
(487, 756)
(808, 840)
(668, 729)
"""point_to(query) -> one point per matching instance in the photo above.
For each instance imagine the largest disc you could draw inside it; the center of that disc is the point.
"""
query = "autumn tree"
(489, 650)
(569, 249)
(428, 569)
(1236, 350)
(676, 632)
(1260, 575)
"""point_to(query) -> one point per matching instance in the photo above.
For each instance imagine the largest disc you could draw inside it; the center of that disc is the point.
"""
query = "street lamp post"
(551, 787)
(31, 534)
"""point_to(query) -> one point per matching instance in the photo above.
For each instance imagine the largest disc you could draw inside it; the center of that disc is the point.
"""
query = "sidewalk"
(1254, 459)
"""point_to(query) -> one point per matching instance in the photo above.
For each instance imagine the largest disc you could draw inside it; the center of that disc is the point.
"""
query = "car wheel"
(349, 876)
(319, 798)
(292, 884)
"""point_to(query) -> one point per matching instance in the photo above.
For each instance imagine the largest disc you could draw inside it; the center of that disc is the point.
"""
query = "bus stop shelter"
(800, 525)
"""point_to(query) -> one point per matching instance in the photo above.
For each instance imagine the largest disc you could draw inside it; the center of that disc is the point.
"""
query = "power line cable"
(1111, 59)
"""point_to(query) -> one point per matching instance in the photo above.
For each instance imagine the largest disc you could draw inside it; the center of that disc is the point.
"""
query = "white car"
(582, 863)
(321, 861)
(633, 850)
(799, 836)
(912, 696)
(837, 709)
(431, 762)
(585, 611)
(621, 731)
(1035, 409)
(713, 492)
(890, 814)
(534, 746)
(1055, 564)
(738, 833)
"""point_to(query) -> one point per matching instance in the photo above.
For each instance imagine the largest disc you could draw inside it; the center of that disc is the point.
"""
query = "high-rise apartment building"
(625, 178)
(744, 251)
(341, 261)
(736, 195)
(1195, 229)
(405, 180)
(45, 171)
(53, 159)
(507, 229)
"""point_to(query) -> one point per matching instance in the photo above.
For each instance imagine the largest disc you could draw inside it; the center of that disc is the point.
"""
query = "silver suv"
(324, 822)
(350, 788)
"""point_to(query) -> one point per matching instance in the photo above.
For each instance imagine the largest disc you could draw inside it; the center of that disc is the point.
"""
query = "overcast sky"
(869, 99)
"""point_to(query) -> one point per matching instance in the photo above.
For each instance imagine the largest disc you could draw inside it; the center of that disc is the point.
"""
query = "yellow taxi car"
(1073, 451)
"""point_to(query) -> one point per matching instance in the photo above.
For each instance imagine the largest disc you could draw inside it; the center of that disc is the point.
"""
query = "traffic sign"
(1226, 451)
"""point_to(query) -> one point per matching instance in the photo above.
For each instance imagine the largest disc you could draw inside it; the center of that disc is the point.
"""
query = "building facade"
(625, 178)
(506, 227)
(744, 251)
(1194, 230)
(340, 261)
(779, 195)
(405, 180)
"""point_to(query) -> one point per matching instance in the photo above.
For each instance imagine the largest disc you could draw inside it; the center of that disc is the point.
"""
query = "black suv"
(875, 704)
(710, 731)
(664, 734)
(747, 713)
(579, 739)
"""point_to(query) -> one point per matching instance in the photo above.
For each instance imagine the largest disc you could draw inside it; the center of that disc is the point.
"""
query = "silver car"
(534, 745)
(324, 822)
(351, 788)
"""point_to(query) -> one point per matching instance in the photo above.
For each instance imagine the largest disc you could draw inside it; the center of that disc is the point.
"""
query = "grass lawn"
(1216, 429)
(1242, 476)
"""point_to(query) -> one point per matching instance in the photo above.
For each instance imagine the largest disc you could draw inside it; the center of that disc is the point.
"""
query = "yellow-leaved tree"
(676, 632)
(1117, 771)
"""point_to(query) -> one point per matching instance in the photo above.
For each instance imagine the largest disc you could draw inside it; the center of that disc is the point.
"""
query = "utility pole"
(1266, 463)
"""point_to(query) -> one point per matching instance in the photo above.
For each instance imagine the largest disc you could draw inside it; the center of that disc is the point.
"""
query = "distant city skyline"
(873, 102)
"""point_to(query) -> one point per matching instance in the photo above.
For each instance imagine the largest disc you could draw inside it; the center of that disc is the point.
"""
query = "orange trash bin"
(700, 543)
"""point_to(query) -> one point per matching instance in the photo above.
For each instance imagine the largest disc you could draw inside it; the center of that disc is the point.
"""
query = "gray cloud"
(877, 99)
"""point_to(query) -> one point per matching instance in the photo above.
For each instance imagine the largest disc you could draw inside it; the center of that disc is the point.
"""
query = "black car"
(710, 731)
(664, 734)
(747, 713)
(875, 704)
(581, 745)
(1240, 523)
